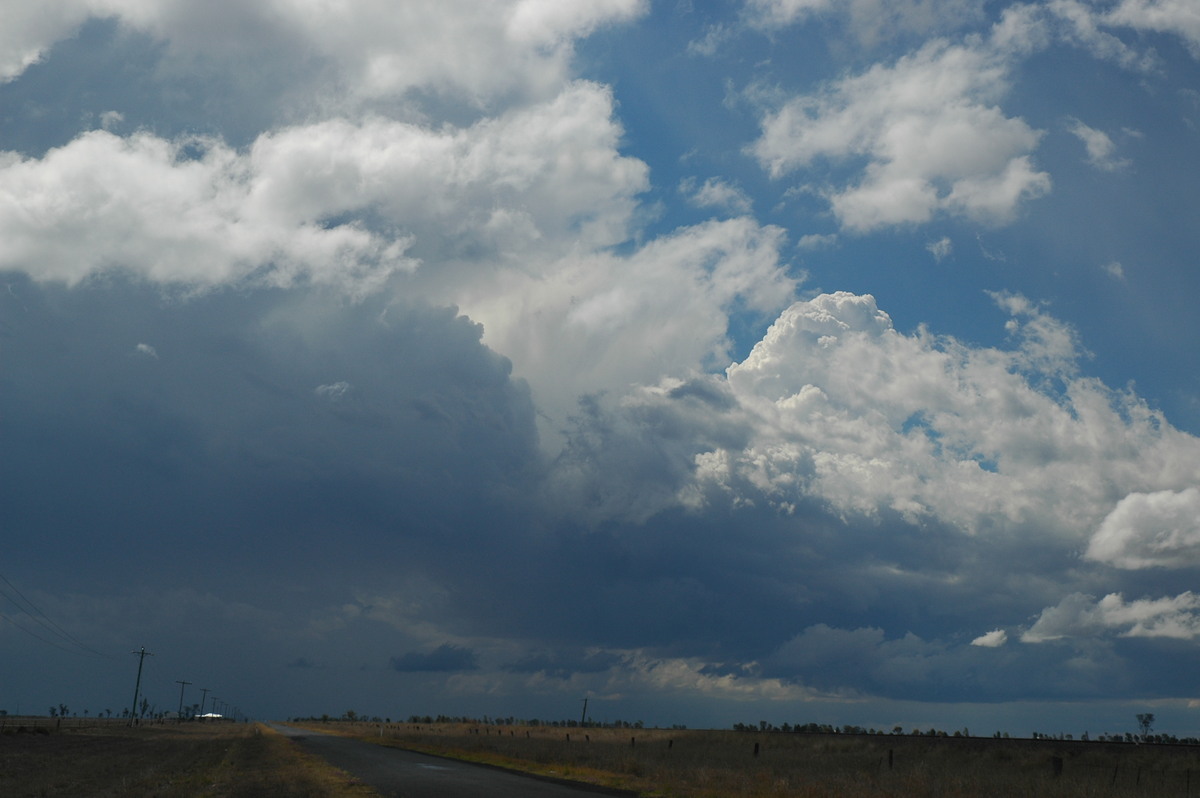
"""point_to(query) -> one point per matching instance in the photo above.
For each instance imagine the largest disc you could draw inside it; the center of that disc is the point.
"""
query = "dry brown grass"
(717, 764)
(172, 761)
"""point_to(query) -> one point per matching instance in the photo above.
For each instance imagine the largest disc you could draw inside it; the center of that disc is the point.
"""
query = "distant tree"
(350, 715)
(1145, 721)
(62, 711)
(108, 712)
(53, 712)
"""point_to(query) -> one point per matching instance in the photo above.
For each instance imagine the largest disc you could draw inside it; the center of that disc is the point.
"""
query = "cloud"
(842, 407)
(713, 38)
(940, 249)
(778, 13)
(445, 657)
(1178, 17)
(32, 27)
(1080, 615)
(472, 50)
(146, 350)
(334, 391)
(933, 140)
(1080, 24)
(817, 241)
(1147, 530)
(716, 193)
(1115, 270)
(510, 219)
(1100, 148)
(298, 205)
(870, 20)
(172, 211)
(601, 309)
(866, 661)
(992, 639)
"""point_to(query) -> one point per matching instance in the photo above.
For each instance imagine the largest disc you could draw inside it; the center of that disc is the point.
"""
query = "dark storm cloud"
(266, 422)
(445, 657)
(562, 663)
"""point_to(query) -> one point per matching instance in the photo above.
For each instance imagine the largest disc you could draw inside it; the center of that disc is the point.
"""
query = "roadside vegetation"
(759, 763)
(173, 760)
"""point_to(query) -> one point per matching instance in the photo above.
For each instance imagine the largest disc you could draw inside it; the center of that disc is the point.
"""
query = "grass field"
(720, 764)
(163, 761)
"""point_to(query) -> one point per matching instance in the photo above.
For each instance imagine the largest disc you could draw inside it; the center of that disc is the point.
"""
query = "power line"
(35, 614)
(33, 634)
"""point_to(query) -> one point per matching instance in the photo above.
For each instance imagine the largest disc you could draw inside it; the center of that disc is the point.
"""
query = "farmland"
(42, 757)
(732, 764)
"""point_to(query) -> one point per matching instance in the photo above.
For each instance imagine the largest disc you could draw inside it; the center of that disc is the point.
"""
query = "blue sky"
(782, 359)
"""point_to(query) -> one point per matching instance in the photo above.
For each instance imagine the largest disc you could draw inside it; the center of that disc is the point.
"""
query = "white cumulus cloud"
(1146, 530)
(838, 408)
(1080, 615)
(477, 50)
(993, 639)
(932, 136)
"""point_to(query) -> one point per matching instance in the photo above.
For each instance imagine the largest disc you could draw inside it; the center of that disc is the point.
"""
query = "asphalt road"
(395, 773)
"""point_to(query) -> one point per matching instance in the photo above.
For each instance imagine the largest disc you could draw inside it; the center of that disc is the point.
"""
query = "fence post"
(1056, 764)
(891, 761)
(756, 749)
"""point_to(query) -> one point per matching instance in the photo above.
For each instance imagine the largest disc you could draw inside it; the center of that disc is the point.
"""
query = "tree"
(1145, 721)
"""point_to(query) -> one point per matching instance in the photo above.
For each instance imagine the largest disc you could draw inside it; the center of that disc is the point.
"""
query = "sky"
(786, 360)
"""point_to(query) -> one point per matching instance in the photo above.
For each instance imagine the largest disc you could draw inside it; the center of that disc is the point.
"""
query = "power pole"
(182, 685)
(583, 717)
(203, 698)
(138, 684)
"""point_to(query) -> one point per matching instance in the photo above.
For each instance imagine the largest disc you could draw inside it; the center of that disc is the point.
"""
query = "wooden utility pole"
(142, 653)
(182, 685)
(583, 717)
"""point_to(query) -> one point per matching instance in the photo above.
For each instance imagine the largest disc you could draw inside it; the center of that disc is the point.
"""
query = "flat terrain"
(214, 760)
(724, 764)
(164, 761)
